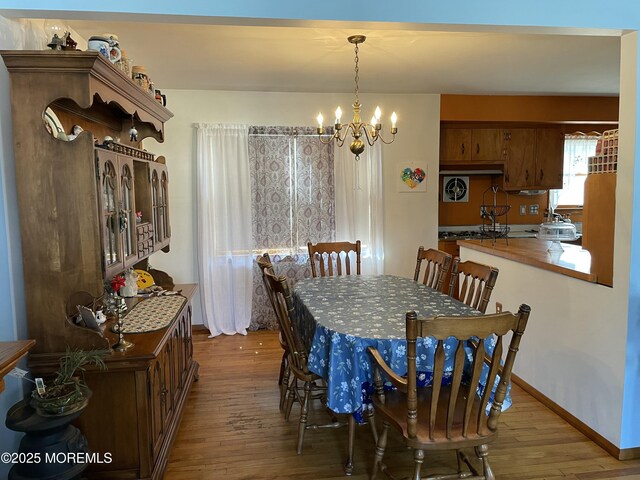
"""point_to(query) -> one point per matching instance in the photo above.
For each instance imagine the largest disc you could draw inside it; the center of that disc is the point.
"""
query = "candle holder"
(121, 345)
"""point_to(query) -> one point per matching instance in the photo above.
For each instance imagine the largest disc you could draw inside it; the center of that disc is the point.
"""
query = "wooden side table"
(10, 355)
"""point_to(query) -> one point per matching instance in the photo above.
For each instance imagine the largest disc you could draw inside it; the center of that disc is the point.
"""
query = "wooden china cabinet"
(88, 210)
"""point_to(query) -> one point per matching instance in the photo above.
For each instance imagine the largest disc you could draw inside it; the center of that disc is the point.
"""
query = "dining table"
(339, 317)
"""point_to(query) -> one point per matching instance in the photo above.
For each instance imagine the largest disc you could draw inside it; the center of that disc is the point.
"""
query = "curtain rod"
(284, 135)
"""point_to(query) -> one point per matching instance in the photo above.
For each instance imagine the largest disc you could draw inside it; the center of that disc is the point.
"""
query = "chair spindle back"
(332, 258)
(472, 283)
(436, 269)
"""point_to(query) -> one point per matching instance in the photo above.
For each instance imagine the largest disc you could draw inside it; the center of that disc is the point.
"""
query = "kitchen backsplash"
(468, 213)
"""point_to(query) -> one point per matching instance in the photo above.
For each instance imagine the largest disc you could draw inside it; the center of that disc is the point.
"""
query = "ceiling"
(309, 59)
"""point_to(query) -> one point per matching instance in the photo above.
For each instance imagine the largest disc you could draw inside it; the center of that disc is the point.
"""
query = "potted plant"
(68, 393)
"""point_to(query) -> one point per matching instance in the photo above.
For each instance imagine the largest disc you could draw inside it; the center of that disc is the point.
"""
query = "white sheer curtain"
(224, 227)
(359, 204)
(577, 150)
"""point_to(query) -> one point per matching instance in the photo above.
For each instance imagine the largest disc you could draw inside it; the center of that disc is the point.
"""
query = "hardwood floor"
(232, 429)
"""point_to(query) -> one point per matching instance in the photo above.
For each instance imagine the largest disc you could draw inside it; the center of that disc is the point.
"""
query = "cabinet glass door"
(160, 196)
(110, 217)
(127, 211)
(155, 196)
(164, 212)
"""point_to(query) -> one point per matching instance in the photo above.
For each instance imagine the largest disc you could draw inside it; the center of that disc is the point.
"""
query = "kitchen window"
(578, 147)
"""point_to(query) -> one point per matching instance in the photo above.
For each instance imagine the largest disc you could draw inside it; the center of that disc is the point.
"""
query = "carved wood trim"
(97, 76)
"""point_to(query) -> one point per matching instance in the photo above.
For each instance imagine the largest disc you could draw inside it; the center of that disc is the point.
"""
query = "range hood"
(472, 171)
(531, 193)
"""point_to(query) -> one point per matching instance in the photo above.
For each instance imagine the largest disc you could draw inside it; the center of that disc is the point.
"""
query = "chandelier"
(371, 132)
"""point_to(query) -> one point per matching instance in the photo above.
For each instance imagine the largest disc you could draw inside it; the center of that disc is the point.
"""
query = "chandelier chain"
(357, 69)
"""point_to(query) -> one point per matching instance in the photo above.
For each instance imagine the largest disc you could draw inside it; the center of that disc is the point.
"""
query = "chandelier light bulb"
(373, 121)
(378, 114)
(394, 119)
(338, 115)
(320, 119)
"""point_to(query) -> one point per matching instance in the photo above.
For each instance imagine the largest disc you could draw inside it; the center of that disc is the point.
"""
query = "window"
(292, 203)
(292, 189)
(577, 150)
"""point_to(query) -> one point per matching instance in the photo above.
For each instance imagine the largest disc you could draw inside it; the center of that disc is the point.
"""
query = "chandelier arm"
(384, 141)
(329, 139)
(341, 139)
(365, 128)
(334, 136)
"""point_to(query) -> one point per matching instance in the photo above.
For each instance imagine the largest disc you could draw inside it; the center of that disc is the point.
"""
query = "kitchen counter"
(573, 262)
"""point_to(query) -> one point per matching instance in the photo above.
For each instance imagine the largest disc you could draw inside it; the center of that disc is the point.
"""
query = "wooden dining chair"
(264, 262)
(332, 258)
(472, 283)
(437, 265)
(451, 412)
(297, 359)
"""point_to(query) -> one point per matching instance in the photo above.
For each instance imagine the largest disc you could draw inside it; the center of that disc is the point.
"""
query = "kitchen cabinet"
(449, 246)
(598, 224)
(549, 157)
(531, 154)
(471, 145)
(534, 158)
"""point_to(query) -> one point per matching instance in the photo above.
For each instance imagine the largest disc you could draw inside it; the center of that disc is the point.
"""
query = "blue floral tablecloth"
(340, 317)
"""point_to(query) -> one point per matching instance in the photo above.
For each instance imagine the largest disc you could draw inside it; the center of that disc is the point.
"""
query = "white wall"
(410, 218)
(573, 350)
(577, 350)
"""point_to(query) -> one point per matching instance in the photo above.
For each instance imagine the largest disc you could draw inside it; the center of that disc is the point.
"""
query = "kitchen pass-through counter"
(573, 261)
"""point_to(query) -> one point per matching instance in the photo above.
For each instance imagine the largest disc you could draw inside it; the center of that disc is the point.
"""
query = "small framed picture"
(88, 317)
(412, 178)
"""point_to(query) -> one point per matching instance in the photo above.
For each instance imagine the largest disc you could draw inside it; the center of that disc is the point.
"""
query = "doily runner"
(152, 314)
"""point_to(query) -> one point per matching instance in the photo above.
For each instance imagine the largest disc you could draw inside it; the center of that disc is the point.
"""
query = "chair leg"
(284, 380)
(291, 396)
(380, 447)
(348, 467)
(371, 420)
(282, 363)
(304, 412)
(460, 458)
(482, 451)
(418, 457)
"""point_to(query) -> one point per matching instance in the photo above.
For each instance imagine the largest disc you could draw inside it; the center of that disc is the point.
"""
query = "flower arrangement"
(117, 283)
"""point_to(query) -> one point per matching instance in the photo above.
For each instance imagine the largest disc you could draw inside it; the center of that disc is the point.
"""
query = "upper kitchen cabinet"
(84, 202)
(471, 145)
(534, 158)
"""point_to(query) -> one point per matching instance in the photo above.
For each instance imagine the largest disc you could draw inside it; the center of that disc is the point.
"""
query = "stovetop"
(478, 233)
(461, 235)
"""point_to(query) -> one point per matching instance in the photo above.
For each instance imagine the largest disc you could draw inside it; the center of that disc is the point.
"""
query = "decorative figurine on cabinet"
(133, 133)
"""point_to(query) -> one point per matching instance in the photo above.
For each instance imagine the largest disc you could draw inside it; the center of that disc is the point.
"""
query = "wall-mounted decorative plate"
(53, 125)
